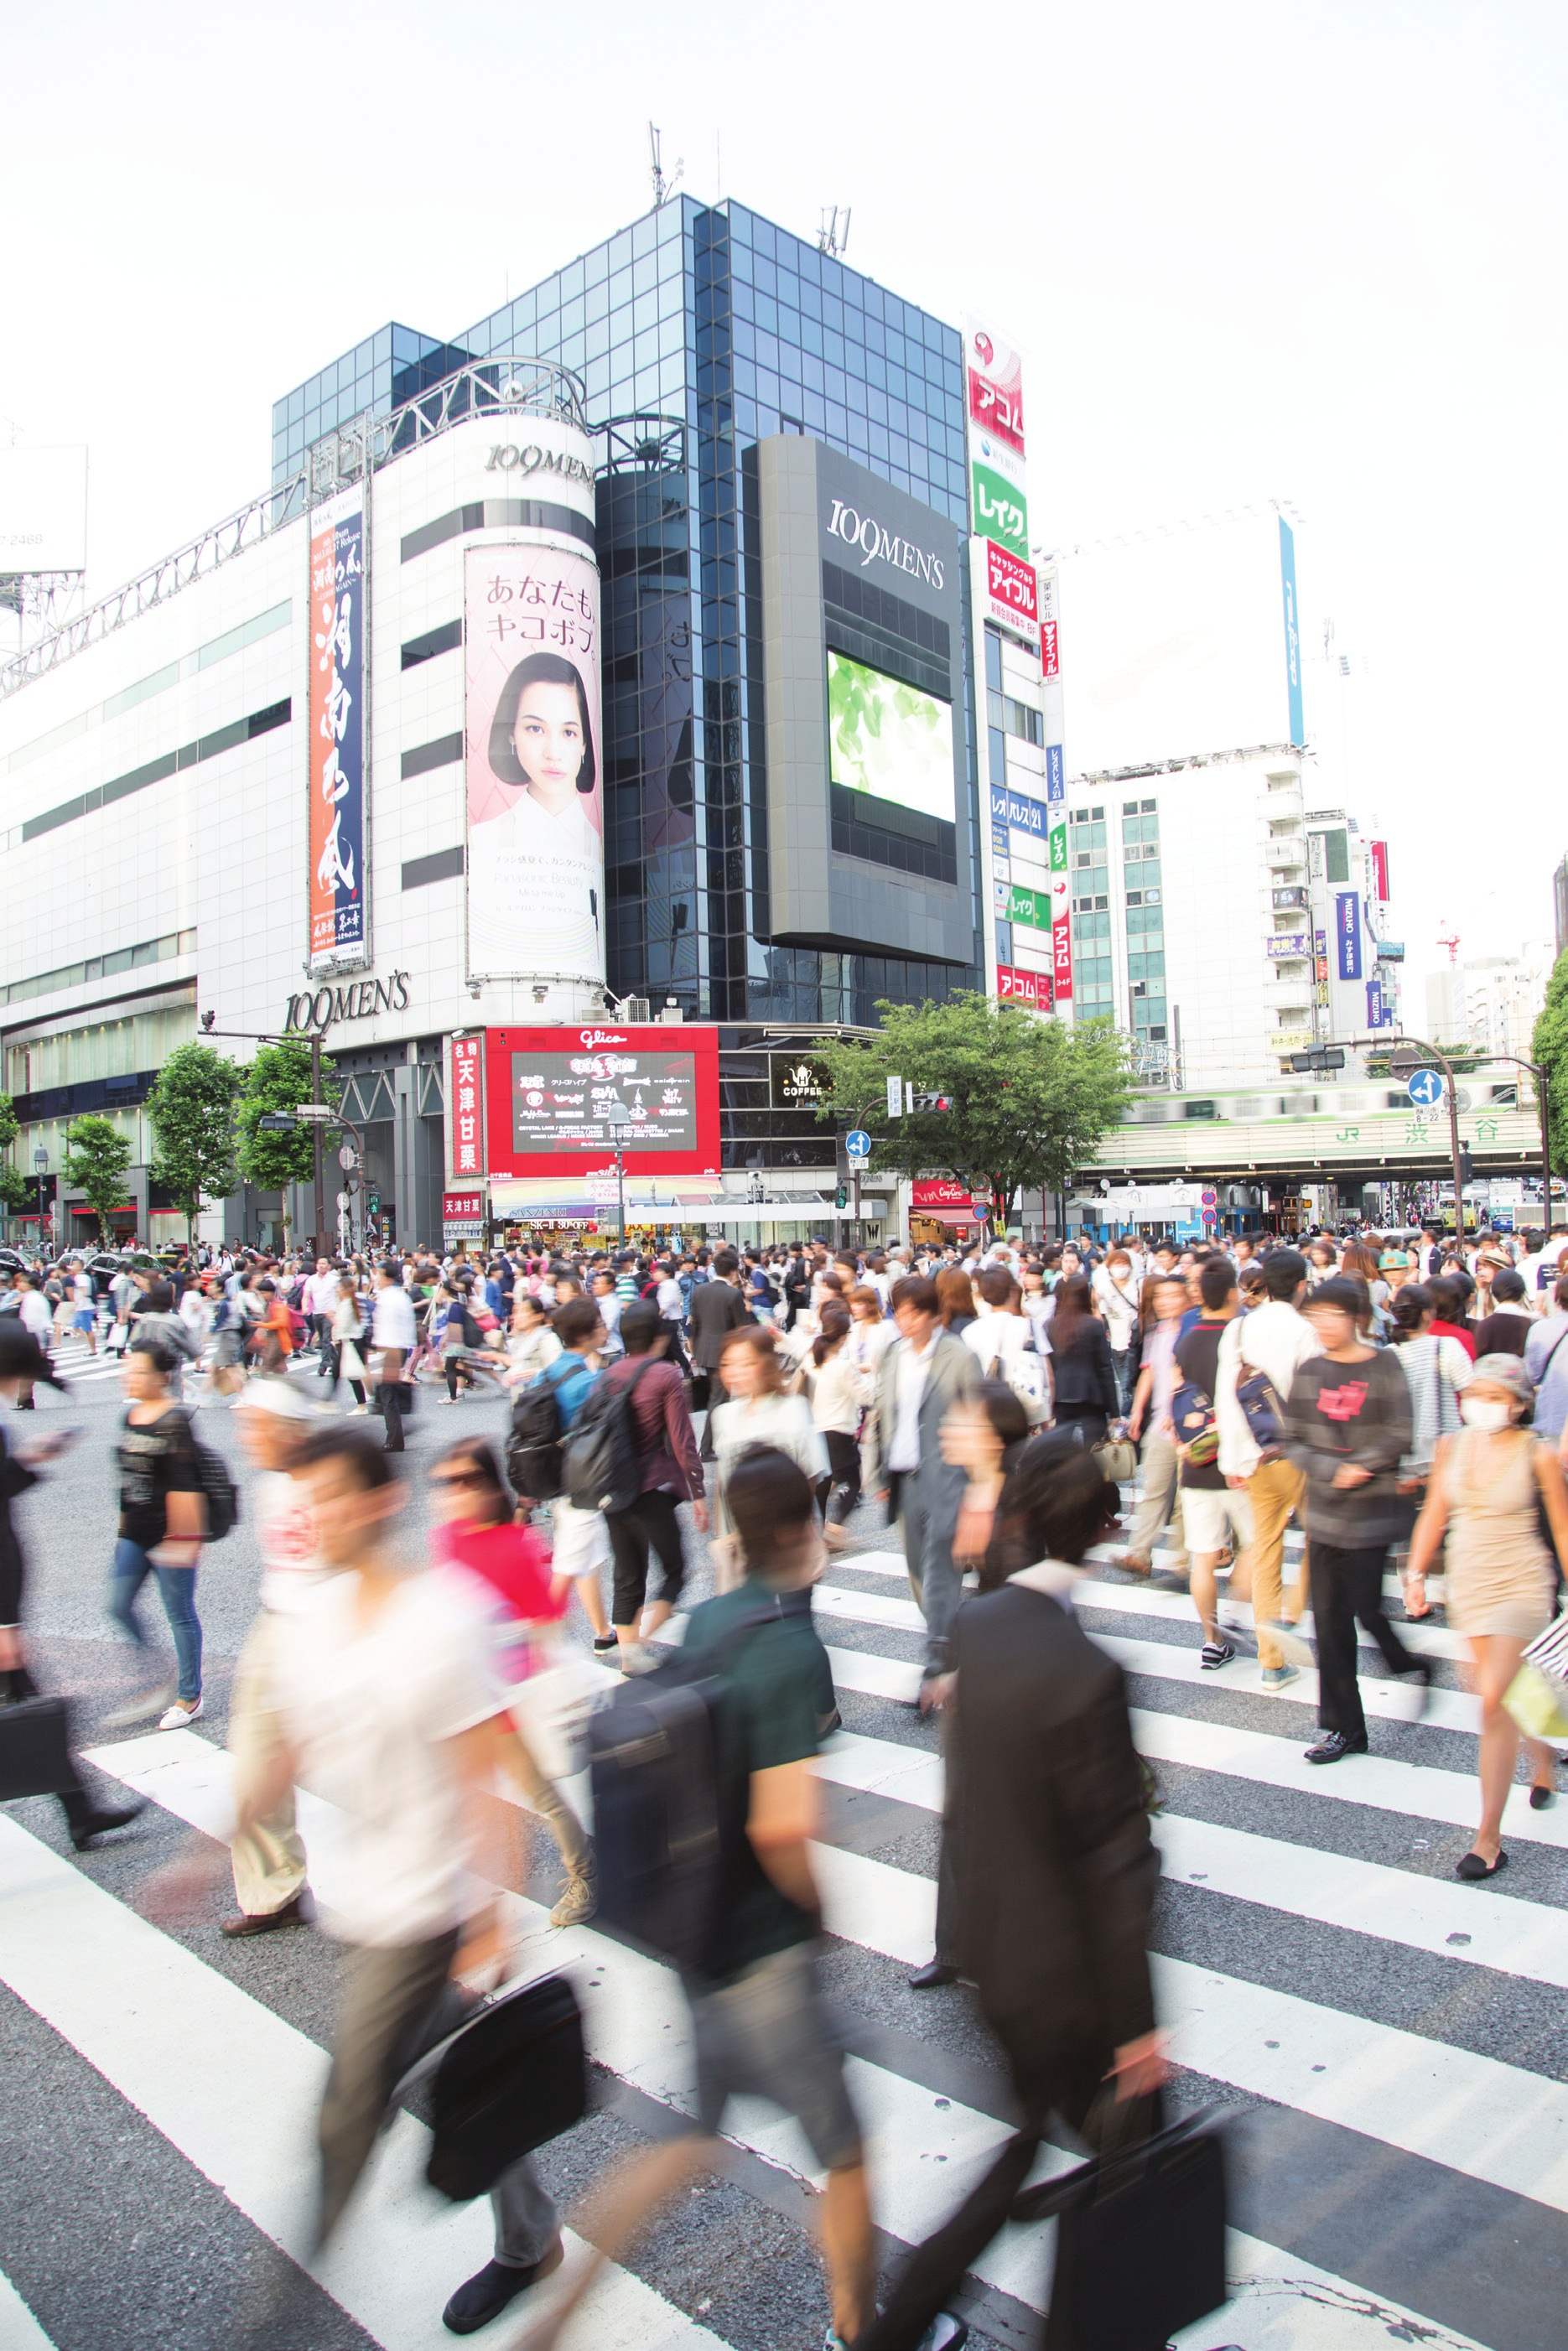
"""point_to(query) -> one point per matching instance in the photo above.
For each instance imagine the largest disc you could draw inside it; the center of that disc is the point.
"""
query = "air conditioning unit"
(637, 1007)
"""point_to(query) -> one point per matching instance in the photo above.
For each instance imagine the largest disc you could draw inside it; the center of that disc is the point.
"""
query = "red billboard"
(939, 1196)
(556, 1100)
(1011, 583)
(1017, 986)
(1380, 871)
(465, 1099)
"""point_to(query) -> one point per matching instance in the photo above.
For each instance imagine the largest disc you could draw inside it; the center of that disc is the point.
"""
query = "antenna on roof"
(833, 236)
(663, 189)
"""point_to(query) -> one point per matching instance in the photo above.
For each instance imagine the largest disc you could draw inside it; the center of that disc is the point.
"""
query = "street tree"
(1549, 1047)
(278, 1080)
(97, 1158)
(15, 1189)
(191, 1110)
(1028, 1100)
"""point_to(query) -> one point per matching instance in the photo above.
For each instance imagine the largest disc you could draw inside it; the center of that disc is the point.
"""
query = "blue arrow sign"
(1425, 1089)
(857, 1145)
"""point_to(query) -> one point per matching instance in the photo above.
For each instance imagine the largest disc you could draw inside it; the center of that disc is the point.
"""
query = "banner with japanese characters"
(339, 935)
(465, 1105)
(532, 762)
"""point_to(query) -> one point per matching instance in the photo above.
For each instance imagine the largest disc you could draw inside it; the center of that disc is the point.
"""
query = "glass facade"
(698, 332)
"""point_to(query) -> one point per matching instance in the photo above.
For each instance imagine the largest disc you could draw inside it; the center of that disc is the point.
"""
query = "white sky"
(1249, 249)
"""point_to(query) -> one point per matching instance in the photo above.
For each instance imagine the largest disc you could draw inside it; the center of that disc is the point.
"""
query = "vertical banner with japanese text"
(1061, 880)
(338, 735)
(531, 715)
(465, 1105)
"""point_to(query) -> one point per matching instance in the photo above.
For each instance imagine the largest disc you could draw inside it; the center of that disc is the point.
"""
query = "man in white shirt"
(320, 1303)
(391, 1331)
(1275, 1339)
(923, 1375)
(34, 1310)
(391, 1714)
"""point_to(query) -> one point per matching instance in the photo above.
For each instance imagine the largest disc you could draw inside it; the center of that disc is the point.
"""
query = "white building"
(1490, 1002)
(1358, 966)
(161, 767)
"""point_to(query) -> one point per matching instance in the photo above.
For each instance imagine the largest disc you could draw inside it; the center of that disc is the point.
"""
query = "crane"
(1450, 939)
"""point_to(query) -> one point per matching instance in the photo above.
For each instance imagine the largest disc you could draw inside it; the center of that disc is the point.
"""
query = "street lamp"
(619, 1116)
(41, 1167)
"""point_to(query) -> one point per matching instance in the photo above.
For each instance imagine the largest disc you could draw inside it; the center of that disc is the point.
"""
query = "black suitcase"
(512, 2076)
(35, 1748)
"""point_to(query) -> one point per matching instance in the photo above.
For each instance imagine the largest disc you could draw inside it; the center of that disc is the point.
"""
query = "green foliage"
(1549, 1046)
(15, 1189)
(1030, 1099)
(278, 1080)
(97, 1159)
(10, 1125)
(191, 1110)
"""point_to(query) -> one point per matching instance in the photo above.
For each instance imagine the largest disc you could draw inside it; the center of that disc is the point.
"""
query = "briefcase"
(513, 2076)
(35, 1748)
(1140, 2244)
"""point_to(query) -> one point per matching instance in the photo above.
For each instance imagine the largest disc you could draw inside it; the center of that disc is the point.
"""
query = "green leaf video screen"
(889, 739)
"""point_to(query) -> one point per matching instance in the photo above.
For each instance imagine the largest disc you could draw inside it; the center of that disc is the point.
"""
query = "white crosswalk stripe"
(1413, 2093)
(19, 2330)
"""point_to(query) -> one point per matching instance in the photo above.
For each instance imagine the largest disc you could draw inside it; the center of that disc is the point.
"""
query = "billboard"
(941, 1196)
(1379, 852)
(1030, 988)
(1293, 632)
(1347, 932)
(994, 374)
(339, 935)
(889, 739)
(466, 1097)
(1050, 639)
(1011, 594)
(1018, 810)
(551, 1094)
(535, 856)
(1177, 644)
(999, 508)
(43, 509)
(1061, 888)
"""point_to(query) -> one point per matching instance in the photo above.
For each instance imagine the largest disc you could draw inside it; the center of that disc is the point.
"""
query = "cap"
(274, 1396)
(1394, 1257)
(1506, 1372)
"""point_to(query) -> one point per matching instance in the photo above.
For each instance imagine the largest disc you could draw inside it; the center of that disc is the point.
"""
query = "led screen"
(561, 1100)
(889, 739)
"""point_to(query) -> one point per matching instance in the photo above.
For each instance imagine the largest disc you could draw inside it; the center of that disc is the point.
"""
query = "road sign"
(315, 1114)
(1210, 1216)
(895, 1097)
(1425, 1089)
(1210, 1198)
(348, 1157)
(857, 1145)
(343, 1200)
(1404, 1059)
(276, 1122)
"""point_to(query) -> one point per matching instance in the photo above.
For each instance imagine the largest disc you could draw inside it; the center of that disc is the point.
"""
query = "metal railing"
(503, 386)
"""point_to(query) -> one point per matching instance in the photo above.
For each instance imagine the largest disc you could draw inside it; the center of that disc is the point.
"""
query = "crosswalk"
(1388, 2038)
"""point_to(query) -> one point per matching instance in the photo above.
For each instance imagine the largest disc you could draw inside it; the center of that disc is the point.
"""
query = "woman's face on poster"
(549, 738)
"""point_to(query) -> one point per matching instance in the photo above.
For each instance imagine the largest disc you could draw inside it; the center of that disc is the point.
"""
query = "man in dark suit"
(1056, 1870)
(718, 1308)
(923, 1373)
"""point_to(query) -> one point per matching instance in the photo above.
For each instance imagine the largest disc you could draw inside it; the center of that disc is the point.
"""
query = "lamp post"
(619, 1116)
(41, 1168)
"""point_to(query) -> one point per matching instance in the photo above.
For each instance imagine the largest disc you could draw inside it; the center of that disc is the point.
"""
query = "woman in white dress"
(538, 867)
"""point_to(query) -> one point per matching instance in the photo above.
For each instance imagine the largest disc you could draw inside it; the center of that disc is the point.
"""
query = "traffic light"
(933, 1101)
(842, 1197)
(1467, 1172)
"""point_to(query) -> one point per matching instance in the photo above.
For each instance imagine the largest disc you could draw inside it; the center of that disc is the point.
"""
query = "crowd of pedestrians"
(1389, 1401)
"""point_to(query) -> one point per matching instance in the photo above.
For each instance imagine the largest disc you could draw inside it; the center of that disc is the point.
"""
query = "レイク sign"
(466, 1099)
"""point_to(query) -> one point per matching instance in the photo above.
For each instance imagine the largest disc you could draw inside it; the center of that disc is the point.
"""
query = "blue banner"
(1347, 932)
(1055, 782)
(1017, 809)
(1374, 1014)
(1292, 633)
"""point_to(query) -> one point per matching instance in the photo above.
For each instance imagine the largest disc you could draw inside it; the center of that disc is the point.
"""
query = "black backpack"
(660, 1811)
(600, 1457)
(533, 1446)
(221, 1493)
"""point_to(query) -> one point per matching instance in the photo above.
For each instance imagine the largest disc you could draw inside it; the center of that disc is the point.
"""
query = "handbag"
(512, 2076)
(35, 1748)
(1118, 1459)
(1141, 2241)
(1537, 1697)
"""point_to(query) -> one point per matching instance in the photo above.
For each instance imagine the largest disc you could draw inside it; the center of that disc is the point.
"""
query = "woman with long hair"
(757, 1411)
(955, 1300)
(839, 1391)
(505, 1567)
(1082, 1374)
(1490, 1488)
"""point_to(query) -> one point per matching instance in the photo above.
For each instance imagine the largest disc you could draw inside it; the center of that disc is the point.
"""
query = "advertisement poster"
(889, 740)
(466, 1097)
(1375, 1010)
(535, 809)
(1292, 633)
(339, 934)
(995, 384)
(1347, 932)
(1018, 810)
(1050, 644)
(1030, 988)
(1380, 872)
(1012, 594)
(560, 1099)
(941, 1196)
(1000, 507)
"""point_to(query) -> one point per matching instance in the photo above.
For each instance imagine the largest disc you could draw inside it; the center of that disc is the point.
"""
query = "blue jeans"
(177, 1591)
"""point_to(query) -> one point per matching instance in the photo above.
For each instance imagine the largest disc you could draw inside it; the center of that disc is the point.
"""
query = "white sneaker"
(359, 1411)
(445, 1399)
(180, 1714)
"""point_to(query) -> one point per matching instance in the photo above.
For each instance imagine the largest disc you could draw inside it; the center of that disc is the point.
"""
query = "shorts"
(582, 1539)
(768, 2035)
(84, 1319)
(1211, 1518)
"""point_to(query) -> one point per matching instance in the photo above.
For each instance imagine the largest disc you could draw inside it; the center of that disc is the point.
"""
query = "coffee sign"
(798, 1083)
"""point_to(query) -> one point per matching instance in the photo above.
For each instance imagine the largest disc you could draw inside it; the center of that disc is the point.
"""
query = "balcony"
(1286, 855)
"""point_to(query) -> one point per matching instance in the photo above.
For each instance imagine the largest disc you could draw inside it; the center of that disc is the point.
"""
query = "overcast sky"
(1311, 252)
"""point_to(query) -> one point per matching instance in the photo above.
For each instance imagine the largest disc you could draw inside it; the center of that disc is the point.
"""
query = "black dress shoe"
(295, 1913)
(933, 1976)
(1331, 1747)
(87, 1831)
(489, 2291)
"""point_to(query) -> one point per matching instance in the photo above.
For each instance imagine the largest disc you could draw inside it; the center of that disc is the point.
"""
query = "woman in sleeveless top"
(1486, 1487)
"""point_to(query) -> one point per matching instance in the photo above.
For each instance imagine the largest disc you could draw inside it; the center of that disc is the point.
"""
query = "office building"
(1490, 1003)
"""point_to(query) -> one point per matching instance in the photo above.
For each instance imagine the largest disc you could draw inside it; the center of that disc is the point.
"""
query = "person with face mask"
(1490, 1485)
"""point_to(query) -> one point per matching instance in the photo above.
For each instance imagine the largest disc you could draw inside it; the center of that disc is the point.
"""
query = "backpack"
(601, 1458)
(533, 1445)
(218, 1489)
(660, 1801)
(1025, 1376)
(1193, 1420)
(1260, 1404)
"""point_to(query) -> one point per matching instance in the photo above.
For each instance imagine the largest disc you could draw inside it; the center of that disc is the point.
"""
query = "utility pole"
(319, 1210)
(619, 1116)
